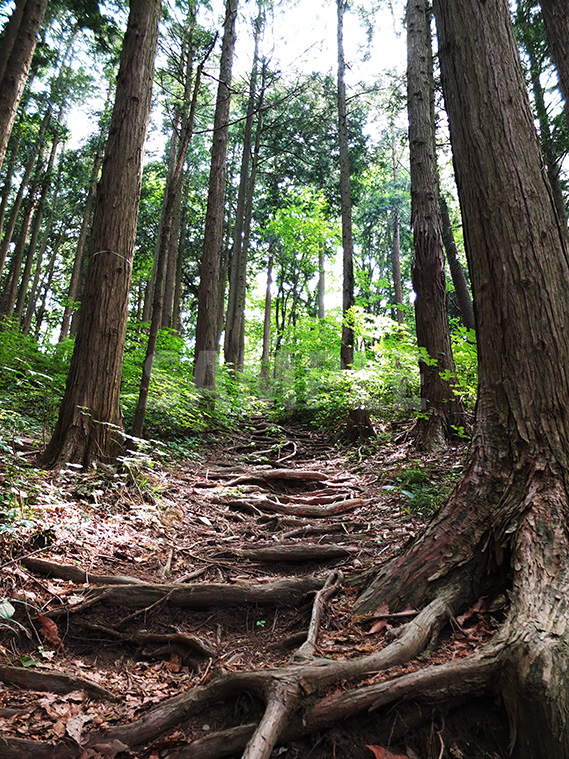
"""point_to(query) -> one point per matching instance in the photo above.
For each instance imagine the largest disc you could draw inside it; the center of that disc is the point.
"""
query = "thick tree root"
(70, 572)
(52, 682)
(314, 510)
(202, 596)
(283, 691)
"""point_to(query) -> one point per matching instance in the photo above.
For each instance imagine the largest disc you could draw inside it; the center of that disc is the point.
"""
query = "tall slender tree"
(457, 274)
(347, 346)
(207, 328)
(17, 47)
(89, 425)
(556, 19)
(442, 410)
(238, 270)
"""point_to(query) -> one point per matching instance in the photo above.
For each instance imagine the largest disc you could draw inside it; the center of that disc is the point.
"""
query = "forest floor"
(123, 588)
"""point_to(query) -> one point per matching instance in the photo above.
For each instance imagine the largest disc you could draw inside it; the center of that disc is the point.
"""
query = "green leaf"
(28, 661)
(7, 611)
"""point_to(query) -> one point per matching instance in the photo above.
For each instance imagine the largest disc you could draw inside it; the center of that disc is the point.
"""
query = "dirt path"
(133, 588)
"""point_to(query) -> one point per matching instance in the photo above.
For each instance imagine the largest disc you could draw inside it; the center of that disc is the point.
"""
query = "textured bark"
(207, 329)
(89, 426)
(456, 271)
(347, 346)
(536, 56)
(441, 409)
(17, 204)
(234, 323)
(16, 51)
(79, 260)
(321, 291)
(267, 325)
(396, 245)
(556, 19)
(46, 284)
(33, 293)
(504, 526)
(45, 186)
(172, 200)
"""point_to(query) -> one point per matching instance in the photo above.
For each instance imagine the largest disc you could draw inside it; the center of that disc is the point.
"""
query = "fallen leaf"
(378, 627)
(175, 663)
(49, 630)
(74, 727)
(382, 753)
(382, 610)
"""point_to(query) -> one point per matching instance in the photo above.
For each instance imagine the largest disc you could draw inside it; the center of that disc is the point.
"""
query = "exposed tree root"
(301, 510)
(52, 682)
(163, 643)
(70, 572)
(205, 595)
(294, 552)
(283, 689)
(269, 475)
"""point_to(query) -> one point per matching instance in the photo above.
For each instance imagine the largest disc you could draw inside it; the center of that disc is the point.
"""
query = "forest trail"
(130, 592)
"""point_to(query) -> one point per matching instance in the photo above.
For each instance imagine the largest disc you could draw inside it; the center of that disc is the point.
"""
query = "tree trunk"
(11, 285)
(321, 281)
(556, 20)
(456, 271)
(207, 336)
(79, 260)
(504, 527)
(347, 346)
(46, 285)
(16, 51)
(8, 179)
(15, 210)
(396, 246)
(267, 325)
(234, 323)
(38, 217)
(172, 199)
(89, 426)
(442, 412)
(31, 307)
(534, 50)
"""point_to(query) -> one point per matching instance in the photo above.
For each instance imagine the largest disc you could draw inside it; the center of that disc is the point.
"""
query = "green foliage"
(31, 384)
(173, 402)
(466, 362)
(421, 493)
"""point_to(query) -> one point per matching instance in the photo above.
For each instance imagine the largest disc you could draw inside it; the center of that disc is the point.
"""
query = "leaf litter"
(223, 519)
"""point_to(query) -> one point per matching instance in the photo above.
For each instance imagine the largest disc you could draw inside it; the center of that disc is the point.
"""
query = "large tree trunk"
(16, 51)
(556, 19)
(89, 426)
(347, 346)
(207, 335)
(504, 527)
(442, 411)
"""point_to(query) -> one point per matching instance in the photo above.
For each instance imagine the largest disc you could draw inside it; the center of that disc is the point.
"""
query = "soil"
(250, 508)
